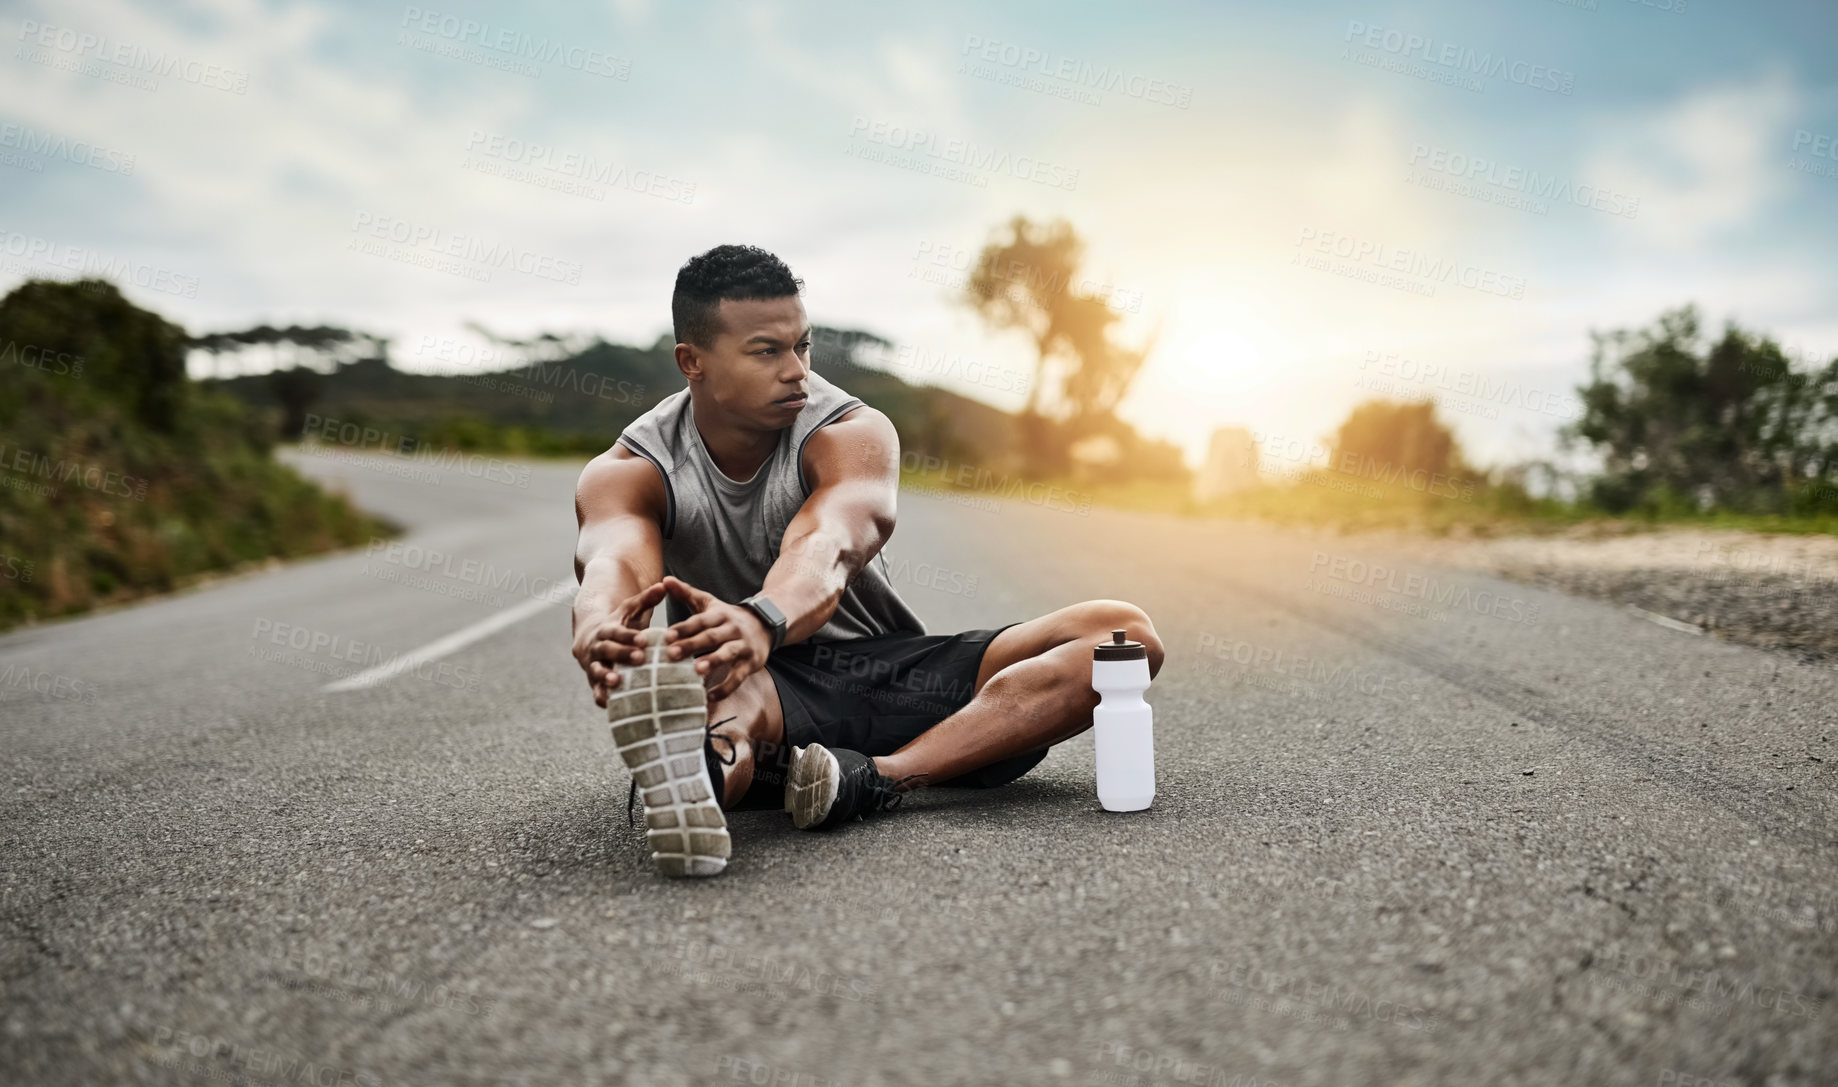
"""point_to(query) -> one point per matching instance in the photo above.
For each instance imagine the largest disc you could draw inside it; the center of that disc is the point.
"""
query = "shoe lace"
(885, 795)
(709, 738)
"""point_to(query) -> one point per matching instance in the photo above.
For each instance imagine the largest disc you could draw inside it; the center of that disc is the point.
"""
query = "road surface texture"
(1772, 590)
(1414, 825)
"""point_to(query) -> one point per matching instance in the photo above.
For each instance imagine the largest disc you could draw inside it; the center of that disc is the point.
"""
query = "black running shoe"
(831, 786)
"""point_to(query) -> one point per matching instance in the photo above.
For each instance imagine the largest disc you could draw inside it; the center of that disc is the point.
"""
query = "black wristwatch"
(769, 614)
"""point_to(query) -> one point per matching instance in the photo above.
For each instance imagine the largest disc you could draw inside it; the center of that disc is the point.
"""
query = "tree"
(1732, 424)
(128, 354)
(1393, 437)
(321, 347)
(1025, 281)
(296, 389)
(311, 353)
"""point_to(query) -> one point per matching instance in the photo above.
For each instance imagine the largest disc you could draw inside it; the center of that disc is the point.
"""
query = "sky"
(1305, 204)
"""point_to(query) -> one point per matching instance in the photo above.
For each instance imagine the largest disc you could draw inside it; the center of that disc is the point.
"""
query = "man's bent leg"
(752, 720)
(1033, 691)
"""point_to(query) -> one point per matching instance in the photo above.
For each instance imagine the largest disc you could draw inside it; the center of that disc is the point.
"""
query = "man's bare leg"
(753, 722)
(1033, 690)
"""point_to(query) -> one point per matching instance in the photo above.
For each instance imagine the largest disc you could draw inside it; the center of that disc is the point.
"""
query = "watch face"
(771, 616)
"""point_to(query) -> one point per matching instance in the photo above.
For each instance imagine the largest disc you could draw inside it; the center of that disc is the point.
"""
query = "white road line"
(452, 643)
(1665, 621)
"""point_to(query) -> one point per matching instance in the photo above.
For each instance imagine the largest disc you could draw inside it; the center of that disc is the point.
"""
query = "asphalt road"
(1413, 826)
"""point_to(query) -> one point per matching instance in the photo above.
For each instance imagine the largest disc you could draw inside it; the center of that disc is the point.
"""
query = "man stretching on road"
(756, 501)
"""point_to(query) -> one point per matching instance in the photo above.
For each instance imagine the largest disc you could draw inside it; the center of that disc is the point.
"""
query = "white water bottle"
(1122, 725)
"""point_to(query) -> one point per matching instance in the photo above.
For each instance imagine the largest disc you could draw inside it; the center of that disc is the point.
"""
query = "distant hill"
(119, 476)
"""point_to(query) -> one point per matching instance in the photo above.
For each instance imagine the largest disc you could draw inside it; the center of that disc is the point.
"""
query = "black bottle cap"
(1118, 649)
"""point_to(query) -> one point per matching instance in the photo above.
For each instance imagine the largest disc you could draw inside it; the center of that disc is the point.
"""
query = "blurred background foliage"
(120, 476)
(1689, 425)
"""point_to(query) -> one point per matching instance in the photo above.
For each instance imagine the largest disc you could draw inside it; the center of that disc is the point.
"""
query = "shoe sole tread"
(810, 790)
(659, 722)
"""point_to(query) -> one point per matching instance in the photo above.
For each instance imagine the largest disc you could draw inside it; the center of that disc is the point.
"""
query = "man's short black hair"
(742, 273)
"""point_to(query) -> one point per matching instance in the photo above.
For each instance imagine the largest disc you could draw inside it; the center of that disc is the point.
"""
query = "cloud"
(1703, 167)
(637, 12)
(251, 182)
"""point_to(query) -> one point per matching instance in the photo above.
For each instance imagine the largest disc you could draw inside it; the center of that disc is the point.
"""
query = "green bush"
(1687, 425)
(119, 476)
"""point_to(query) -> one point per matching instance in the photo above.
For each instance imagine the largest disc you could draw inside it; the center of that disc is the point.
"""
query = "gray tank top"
(722, 536)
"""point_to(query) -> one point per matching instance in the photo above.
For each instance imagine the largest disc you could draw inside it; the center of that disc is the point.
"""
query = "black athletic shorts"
(874, 695)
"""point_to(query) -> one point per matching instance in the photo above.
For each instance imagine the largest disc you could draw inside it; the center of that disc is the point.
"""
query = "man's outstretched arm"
(619, 561)
(854, 471)
(853, 467)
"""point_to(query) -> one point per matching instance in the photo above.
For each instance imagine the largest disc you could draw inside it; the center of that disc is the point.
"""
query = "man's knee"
(1097, 618)
(754, 702)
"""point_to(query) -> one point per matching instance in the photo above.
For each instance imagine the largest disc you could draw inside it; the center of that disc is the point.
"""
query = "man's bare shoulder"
(619, 482)
(863, 441)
